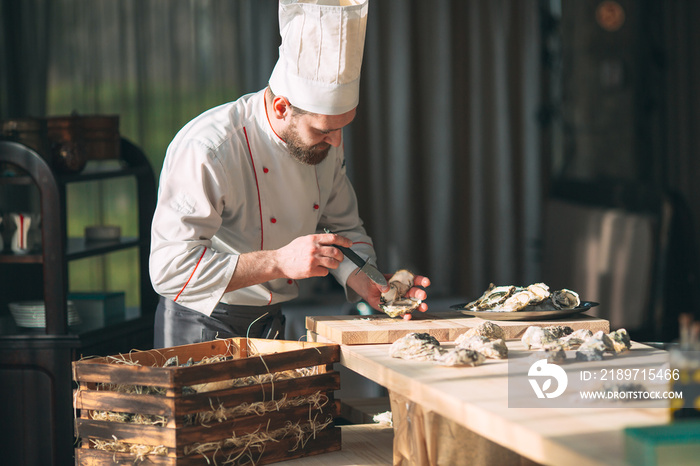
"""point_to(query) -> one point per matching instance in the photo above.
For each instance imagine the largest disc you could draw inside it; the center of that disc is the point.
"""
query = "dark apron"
(177, 325)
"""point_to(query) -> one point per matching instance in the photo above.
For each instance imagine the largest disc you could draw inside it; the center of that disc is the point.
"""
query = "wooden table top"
(477, 398)
(444, 326)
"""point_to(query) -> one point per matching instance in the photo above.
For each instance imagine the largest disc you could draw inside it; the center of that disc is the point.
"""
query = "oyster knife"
(364, 266)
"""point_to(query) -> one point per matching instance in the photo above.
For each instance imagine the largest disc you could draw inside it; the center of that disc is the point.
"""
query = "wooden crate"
(305, 401)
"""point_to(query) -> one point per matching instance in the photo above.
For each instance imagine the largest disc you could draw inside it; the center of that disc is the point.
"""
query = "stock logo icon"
(547, 372)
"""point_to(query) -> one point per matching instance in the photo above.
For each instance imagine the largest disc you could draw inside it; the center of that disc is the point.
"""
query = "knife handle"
(349, 253)
(352, 255)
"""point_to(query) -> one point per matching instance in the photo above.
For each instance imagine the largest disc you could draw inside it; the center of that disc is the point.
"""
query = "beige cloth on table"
(424, 438)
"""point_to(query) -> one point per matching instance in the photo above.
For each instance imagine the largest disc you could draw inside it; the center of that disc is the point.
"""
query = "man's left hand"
(371, 291)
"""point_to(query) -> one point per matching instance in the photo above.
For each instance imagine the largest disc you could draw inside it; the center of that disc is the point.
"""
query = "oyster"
(460, 357)
(575, 339)
(539, 291)
(593, 348)
(540, 337)
(537, 337)
(394, 302)
(172, 362)
(494, 349)
(516, 302)
(620, 340)
(422, 346)
(560, 331)
(566, 299)
(535, 297)
(552, 353)
(491, 298)
(605, 339)
(486, 329)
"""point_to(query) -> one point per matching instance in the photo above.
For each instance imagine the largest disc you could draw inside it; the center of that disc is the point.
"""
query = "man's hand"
(371, 292)
(305, 257)
(311, 256)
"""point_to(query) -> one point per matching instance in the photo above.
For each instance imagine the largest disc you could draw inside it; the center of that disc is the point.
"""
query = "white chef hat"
(318, 69)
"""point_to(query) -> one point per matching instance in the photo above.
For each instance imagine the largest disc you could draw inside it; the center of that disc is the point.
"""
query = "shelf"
(81, 333)
(103, 174)
(35, 364)
(94, 173)
(79, 248)
(16, 180)
(10, 258)
(57, 250)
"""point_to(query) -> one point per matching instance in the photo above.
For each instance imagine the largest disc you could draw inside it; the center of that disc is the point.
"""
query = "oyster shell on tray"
(535, 297)
(394, 302)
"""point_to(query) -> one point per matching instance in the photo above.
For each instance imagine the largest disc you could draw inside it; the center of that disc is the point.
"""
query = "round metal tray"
(525, 315)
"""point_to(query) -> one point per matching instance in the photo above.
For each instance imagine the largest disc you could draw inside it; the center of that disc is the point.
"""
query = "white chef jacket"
(229, 186)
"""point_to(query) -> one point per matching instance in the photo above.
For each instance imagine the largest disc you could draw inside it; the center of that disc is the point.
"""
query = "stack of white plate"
(32, 314)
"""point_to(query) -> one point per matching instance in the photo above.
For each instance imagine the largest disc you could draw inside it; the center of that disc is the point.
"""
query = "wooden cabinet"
(35, 365)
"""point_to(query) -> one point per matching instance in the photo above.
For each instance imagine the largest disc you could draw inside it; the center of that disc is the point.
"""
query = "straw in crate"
(232, 401)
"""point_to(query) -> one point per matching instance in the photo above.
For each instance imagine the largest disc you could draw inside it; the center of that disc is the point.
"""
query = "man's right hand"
(311, 256)
(305, 257)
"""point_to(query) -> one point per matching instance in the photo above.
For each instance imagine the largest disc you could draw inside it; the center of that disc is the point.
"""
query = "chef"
(248, 187)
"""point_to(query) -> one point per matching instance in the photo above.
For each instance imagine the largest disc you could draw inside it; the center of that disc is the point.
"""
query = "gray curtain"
(682, 105)
(445, 148)
(444, 153)
(24, 42)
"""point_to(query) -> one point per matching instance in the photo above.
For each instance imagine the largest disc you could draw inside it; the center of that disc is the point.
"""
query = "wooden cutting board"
(444, 326)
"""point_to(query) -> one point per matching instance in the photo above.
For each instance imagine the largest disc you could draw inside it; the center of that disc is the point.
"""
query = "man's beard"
(308, 155)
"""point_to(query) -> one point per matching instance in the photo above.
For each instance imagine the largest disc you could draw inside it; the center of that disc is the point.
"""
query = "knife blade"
(364, 266)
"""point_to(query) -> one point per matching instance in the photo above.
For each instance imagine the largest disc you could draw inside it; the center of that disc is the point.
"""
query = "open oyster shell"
(394, 302)
(535, 297)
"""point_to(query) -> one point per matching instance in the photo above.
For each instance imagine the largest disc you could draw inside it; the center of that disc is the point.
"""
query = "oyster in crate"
(394, 302)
